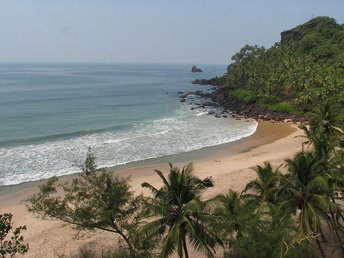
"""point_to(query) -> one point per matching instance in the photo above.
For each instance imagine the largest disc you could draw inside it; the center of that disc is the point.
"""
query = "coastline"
(229, 167)
(265, 133)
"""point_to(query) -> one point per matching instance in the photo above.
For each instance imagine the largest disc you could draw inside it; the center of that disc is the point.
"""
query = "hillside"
(293, 76)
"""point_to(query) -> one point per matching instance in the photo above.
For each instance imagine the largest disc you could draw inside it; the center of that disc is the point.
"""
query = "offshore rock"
(194, 69)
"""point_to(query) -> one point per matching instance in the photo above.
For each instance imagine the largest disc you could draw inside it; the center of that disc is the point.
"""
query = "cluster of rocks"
(235, 108)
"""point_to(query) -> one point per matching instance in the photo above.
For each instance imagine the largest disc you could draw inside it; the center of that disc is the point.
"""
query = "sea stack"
(194, 69)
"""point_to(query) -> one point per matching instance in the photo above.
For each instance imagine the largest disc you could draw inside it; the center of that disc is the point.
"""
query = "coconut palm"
(232, 214)
(305, 188)
(259, 188)
(326, 151)
(254, 229)
(327, 119)
(179, 213)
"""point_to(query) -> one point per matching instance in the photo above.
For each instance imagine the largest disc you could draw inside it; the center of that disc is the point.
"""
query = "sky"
(148, 31)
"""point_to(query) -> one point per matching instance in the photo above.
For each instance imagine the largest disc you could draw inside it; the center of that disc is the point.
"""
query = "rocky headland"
(218, 97)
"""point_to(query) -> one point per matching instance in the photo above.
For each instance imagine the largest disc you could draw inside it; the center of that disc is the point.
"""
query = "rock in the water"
(194, 69)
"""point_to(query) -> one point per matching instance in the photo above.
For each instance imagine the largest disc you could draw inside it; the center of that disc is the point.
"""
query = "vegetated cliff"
(293, 76)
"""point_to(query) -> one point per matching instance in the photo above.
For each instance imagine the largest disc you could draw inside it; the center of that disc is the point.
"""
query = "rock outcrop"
(291, 35)
(194, 69)
(237, 109)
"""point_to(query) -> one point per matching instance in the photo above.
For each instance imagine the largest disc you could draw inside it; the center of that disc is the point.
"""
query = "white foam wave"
(187, 131)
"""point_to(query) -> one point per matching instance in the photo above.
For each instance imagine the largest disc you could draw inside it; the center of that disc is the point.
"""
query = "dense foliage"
(293, 76)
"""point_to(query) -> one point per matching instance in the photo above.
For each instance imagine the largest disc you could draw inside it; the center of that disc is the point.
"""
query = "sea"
(50, 114)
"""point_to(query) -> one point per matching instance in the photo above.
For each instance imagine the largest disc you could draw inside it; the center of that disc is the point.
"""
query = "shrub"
(284, 107)
(243, 95)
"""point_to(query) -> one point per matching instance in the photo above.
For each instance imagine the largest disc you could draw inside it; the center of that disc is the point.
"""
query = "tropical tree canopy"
(179, 213)
(294, 75)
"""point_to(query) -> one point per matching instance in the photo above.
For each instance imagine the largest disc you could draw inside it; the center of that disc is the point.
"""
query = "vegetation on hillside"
(293, 76)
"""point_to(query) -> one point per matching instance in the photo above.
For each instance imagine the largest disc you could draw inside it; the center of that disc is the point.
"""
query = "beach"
(229, 168)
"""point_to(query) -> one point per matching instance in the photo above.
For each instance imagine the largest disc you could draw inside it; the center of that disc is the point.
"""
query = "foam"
(184, 132)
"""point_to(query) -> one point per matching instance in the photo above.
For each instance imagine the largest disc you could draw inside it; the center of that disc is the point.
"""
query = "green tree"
(15, 244)
(305, 188)
(327, 119)
(180, 213)
(232, 215)
(255, 229)
(95, 200)
(259, 188)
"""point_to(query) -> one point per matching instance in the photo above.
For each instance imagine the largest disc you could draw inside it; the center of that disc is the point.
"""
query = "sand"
(229, 169)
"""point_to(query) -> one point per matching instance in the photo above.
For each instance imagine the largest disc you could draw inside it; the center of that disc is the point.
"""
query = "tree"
(259, 188)
(95, 200)
(15, 244)
(255, 229)
(232, 215)
(327, 119)
(305, 188)
(180, 213)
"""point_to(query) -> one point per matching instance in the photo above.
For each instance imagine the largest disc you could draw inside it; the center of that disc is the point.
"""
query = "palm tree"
(259, 188)
(180, 213)
(253, 229)
(231, 213)
(325, 140)
(327, 119)
(305, 188)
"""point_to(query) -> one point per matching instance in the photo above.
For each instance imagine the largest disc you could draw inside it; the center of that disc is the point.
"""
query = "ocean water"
(51, 113)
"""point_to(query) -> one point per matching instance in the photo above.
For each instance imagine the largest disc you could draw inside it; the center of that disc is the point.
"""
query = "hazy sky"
(148, 31)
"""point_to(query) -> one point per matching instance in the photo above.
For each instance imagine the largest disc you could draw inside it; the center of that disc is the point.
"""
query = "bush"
(243, 95)
(269, 100)
(284, 107)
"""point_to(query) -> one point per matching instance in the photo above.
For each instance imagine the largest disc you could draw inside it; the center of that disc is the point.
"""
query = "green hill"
(296, 74)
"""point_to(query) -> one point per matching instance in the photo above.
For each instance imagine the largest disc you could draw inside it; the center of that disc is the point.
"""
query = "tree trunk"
(323, 236)
(340, 213)
(185, 249)
(320, 248)
(131, 249)
(336, 232)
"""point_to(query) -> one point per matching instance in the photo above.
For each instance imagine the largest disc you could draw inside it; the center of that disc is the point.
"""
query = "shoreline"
(265, 133)
(230, 168)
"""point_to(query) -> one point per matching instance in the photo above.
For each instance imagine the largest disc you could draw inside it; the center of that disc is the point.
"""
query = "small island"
(194, 69)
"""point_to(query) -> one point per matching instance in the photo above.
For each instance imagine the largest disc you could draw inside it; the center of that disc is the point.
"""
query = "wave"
(184, 132)
(58, 137)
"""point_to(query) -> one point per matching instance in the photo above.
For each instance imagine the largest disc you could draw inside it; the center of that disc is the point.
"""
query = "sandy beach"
(229, 168)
